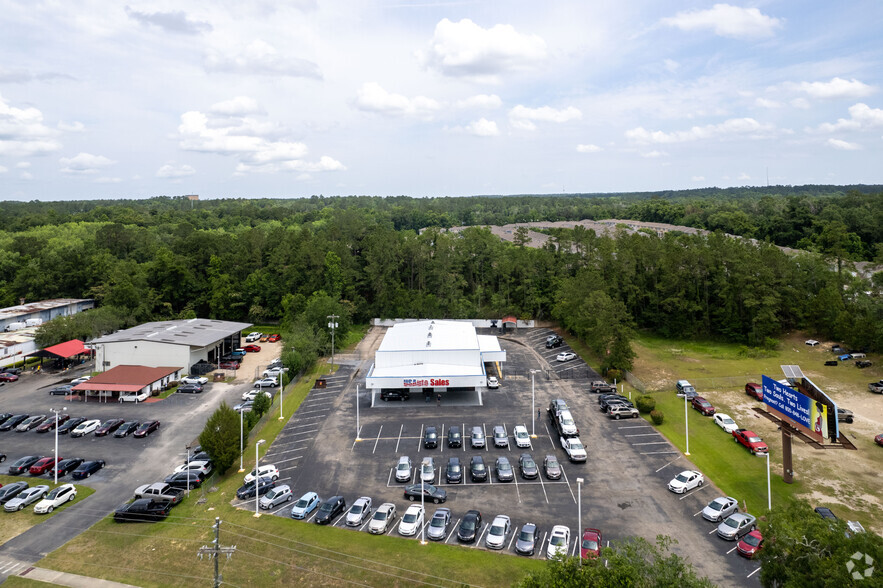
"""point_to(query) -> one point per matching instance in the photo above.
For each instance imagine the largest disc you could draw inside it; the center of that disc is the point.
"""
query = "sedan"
(200, 380)
(559, 541)
(305, 505)
(252, 394)
(70, 425)
(26, 497)
(504, 470)
(50, 424)
(126, 428)
(250, 489)
(62, 390)
(246, 406)
(725, 422)
(108, 426)
(427, 470)
(55, 498)
(80, 380)
(7, 377)
(330, 509)
(412, 520)
(66, 466)
(189, 389)
(382, 519)
(720, 508)
(736, 525)
(566, 356)
(252, 348)
(470, 527)
(750, 544)
(275, 497)
(591, 544)
(24, 464)
(528, 467)
(30, 423)
(85, 428)
(87, 469)
(551, 467)
(454, 471)
(526, 543)
(10, 491)
(146, 429)
(428, 491)
(360, 509)
(438, 524)
(702, 405)
(686, 481)
(403, 469)
(143, 509)
(41, 466)
(496, 535)
(13, 421)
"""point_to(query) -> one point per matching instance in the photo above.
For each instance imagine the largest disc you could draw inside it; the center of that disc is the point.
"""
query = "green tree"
(261, 404)
(220, 437)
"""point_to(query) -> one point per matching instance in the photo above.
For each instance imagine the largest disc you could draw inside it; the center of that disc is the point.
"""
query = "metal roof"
(431, 335)
(193, 332)
(127, 378)
(32, 307)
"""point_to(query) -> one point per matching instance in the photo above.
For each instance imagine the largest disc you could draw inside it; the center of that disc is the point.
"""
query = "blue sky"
(434, 98)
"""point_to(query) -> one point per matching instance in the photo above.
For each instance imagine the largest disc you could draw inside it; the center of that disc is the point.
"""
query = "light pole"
(256, 478)
(533, 408)
(332, 325)
(769, 488)
(56, 411)
(188, 469)
(423, 508)
(241, 450)
(579, 515)
(281, 388)
(357, 414)
(686, 425)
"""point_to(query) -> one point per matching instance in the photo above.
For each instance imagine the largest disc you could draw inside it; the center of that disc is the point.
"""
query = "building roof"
(430, 335)
(66, 349)
(127, 378)
(193, 332)
(32, 307)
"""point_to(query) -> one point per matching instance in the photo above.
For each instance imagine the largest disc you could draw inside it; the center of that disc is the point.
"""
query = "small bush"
(657, 417)
(646, 404)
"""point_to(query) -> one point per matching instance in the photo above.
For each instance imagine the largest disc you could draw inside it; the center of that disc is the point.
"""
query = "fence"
(635, 382)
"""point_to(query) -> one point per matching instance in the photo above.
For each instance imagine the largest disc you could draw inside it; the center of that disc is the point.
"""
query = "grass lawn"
(16, 523)
(271, 551)
(19, 582)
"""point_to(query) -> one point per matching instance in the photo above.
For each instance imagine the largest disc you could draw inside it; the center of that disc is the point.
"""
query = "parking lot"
(624, 491)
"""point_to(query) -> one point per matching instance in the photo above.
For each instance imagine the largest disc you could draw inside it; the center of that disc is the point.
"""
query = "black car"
(387, 395)
(603, 397)
(146, 429)
(528, 467)
(66, 466)
(429, 492)
(477, 469)
(454, 471)
(126, 428)
(180, 479)
(553, 341)
(13, 421)
(143, 509)
(108, 426)
(4, 416)
(249, 489)
(190, 389)
(455, 437)
(430, 438)
(70, 425)
(62, 390)
(12, 370)
(24, 464)
(87, 469)
(330, 509)
(470, 526)
(10, 491)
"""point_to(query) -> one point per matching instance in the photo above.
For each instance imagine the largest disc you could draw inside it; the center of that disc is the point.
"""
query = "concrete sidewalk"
(65, 579)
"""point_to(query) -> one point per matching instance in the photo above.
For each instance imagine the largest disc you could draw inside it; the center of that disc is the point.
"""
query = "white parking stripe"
(733, 549)
(642, 435)
(695, 490)
(401, 428)
(668, 464)
(484, 431)
(356, 440)
(713, 531)
(376, 441)
(650, 443)
(303, 412)
(301, 426)
(752, 573)
(278, 461)
(478, 539)
(419, 443)
(658, 453)
(454, 528)
(563, 473)
(391, 470)
(509, 548)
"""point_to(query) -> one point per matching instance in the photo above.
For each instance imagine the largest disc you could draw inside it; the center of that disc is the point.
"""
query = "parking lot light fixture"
(56, 411)
(257, 462)
(579, 515)
(686, 426)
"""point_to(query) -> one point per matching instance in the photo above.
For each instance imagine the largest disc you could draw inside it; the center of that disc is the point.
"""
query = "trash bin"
(218, 377)
(320, 383)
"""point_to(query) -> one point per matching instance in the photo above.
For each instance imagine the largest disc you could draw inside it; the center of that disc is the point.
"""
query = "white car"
(725, 422)
(251, 337)
(274, 372)
(56, 498)
(80, 380)
(412, 520)
(275, 496)
(559, 541)
(720, 508)
(686, 481)
(26, 497)
(427, 470)
(201, 380)
(265, 471)
(493, 382)
(496, 535)
(252, 394)
(382, 519)
(360, 509)
(266, 383)
(566, 356)
(202, 466)
(574, 448)
(522, 438)
(85, 428)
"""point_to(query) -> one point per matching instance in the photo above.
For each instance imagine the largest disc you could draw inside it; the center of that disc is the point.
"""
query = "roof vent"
(429, 343)
(429, 336)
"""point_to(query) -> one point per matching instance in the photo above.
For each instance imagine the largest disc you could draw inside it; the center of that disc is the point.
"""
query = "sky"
(291, 98)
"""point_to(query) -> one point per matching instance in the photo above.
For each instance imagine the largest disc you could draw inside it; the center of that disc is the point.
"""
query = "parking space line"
(733, 549)
(697, 514)
(486, 444)
(420, 437)
(454, 528)
(315, 512)
(549, 434)
(668, 464)
(529, 442)
(634, 427)
(650, 443)
(340, 518)
(270, 454)
(478, 539)
(641, 435)
(376, 441)
(401, 428)
(515, 479)
(356, 440)
(365, 524)
(463, 439)
(391, 527)
(713, 531)
(542, 484)
(289, 459)
(509, 548)
(301, 426)
(752, 573)
(693, 492)
(573, 551)
(541, 551)
(440, 442)
(283, 507)
(563, 473)
(391, 470)
(303, 412)
(300, 433)
(658, 453)
(318, 416)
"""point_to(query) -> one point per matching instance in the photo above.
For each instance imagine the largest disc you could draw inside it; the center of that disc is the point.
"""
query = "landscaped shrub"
(657, 417)
(645, 404)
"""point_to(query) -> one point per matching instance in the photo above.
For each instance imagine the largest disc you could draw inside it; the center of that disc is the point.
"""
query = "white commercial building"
(433, 356)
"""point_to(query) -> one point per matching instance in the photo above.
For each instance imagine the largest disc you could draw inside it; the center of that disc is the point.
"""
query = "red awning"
(86, 386)
(510, 319)
(68, 349)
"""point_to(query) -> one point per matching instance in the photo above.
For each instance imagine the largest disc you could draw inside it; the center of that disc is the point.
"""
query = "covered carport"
(63, 355)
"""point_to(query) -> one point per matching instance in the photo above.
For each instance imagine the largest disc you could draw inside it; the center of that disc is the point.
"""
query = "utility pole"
(214, 551)
(332, 324)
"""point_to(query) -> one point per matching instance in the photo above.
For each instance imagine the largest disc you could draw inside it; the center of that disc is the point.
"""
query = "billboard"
(808, 415)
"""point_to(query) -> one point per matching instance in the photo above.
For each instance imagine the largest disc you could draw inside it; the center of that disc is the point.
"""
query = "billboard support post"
(787, 461)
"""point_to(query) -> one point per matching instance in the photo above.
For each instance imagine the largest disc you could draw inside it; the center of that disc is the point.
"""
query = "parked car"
(360, 509)
(11, 490)
(80, 380)
(143, 509)
(496, 535)
(751, 440)
(31, 422)
(23, 464)
(551, 467)
(252, 348)
(7, 377)
(330, 509)
(720, 508)
(566, 356)
(702, 405)
(87, 468)
(267, 383)
(686, 481)
(126, 428)
(622, 411)
(160, 491)
(274, 372)
(427, 469)
(13, 421)
(274, 338)
(202, 466)
(229, 365)
(844, 415)
(85, 428)
(251, 395)
(108, 426)
(477, 438)
(430, 438)
(601, 387)
(66, 466)
(185, 479)
(750, 544)
(244, 407)
(684, 388)
(876, 387)
(574, 449)
(825, 513)
(879, 439)
(553, 341)
(305, 505)
(526, 543)
(754, 390)
(528, 467)
(469, 527)
(559, 542)
(43, 465)
(412, 520)
(4, 416)
(387, 395)
(736, 525)
(403, 469)
(438, 524)
(455, 438)
(383, 517)
(504, 470)
(609, 402)
(26, 497)
(70, 424)
(254, 336)
(145, 429)
(501, 439)
(56, 498)
(477, 469)
(493, 382)
(454, 471)
(522, 438)
(50, 423)
(62, 390)
(429, 492)
(199, 380)
(275, 497)
(863, 363)
(189, 389)
(725, 422)
(590, 547)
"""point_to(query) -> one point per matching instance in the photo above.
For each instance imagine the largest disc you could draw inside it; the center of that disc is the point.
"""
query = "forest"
(295, 261)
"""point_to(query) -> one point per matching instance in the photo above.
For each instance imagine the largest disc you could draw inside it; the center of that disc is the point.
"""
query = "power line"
(302, 568)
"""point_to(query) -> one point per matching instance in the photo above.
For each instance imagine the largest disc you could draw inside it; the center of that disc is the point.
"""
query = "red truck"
(751, 440)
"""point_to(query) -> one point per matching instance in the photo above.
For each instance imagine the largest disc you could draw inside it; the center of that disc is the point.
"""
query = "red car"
(8, 377)
(702, 405)
(879, 439)
(751, 440)
(754, 389)
(591, 544)
(229, 365)
(273, 338)
(146, 429)
(49, 425)
(252, 348)
(750, 544)
(44, 465)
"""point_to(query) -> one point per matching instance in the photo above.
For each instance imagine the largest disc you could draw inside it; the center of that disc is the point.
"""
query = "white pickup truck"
(574, 449)
(160, 491)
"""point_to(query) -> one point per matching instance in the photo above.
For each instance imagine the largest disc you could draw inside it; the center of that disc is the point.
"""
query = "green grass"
(16, 523)
(18, 581)
(354, 336)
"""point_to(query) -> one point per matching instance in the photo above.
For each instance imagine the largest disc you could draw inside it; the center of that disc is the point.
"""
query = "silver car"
(496, 535)
(736, 525)
(382, 519)
(477, 437)
(360, 509)
(438, 524)
(501, 439)
(427, 470)
(403, 469)
(275, 496)
(720, 508)
(26, 497)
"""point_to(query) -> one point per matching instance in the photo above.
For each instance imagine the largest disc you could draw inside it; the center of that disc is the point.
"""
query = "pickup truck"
(751, 440)
(160, 491)
(876, 387)
(574, 448)
(601, 387)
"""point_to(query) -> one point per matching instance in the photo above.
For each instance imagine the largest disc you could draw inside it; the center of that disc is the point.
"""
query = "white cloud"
(861, 116)
(371, 97)
(171, 22)
(259, 57)
(843, 145)
(23, 165)
(26, 176)
(465, 49)
(671, 65)
(3, 170)
(239, 106)
(766, 103)
(654, 154)
(588, 148)
(74, 127)
(175, 171)
(483, 128)
(836, 88)
(84, 163)
(741, 127)
(22, 132)
(801, 103)
(486, 101)
(744, 177)
(522, 117)
(726, 20)
(104, 180)
(698, 178)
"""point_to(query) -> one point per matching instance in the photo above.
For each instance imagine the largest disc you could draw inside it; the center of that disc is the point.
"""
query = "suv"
(601, 387)
(565, 425)
(501, 439)
(553, 341)
(430, 438)
(754, 389)
(684, 388)
(477, 437)
(702, 405)
(454, 471)
(477, 469)
(455, 439)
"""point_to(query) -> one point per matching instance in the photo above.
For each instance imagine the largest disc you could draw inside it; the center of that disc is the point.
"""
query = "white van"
(34, 322)
(15, 327)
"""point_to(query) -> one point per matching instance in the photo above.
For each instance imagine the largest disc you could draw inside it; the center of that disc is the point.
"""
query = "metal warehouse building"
(43, 311)
(433, 356)
(180, 343)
